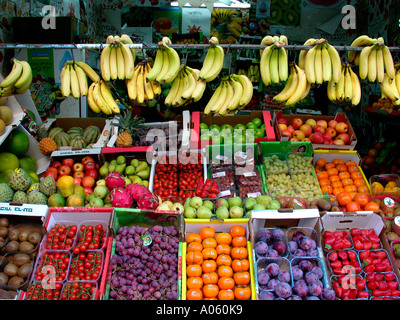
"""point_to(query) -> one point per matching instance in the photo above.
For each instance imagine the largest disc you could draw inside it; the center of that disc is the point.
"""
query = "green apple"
(251, 125)
(227, 127)
(214, 126)
(258, 133)
(240, 126)
(257, 121)
(203, 126)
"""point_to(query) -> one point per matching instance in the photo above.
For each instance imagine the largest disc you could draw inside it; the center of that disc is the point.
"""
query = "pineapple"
(129, 128)
(46, 144)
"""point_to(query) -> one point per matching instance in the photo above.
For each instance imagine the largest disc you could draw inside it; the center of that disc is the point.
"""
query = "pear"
(264, 199)
(130, 170)
(111, 167)
(144, 174)
(189, 213)
(120, 168)
(250, 203)
(136, 179)
(209, 204)
(168, 203)
(134, 162)
(177, 207)
(104, 170)
(196, 202)
(121, 159)
(142, 166)
(146, 183)
(222, 212)
(204, 212)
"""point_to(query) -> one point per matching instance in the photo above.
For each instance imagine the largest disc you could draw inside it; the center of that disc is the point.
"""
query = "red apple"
(316, 138)
(290, 128)
(328, 141)
(307, 129)
(331, 131)
(77, 167)
(55, 164)
(77, 181)
(332, 124)
(88, 190)
(64, 170)
(87, 159)
(89, 166)
(294, 139)
(297, 123)
(341, 127)
(69, 162)
(327, 137)
(320, 129)
(282, 121)
(286, 133)
(78, 174)
(299, 135)
(92, 173)
(52, 172)
(338, 142)
(88, 182)
(322, 123)
(282, 126)
(311, 122)
(344, 137)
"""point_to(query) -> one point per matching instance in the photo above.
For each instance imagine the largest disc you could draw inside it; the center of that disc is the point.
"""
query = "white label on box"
(241, 154)
(221, 157)
(253, 194)
(225, 193)
(250, 174)
(219, 174)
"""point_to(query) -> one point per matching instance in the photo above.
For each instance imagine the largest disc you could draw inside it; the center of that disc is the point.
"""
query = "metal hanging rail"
(98, 46)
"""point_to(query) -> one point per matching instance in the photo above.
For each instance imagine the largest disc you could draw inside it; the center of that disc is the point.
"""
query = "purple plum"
(304, 243)
(297, 235)
(272, 284)
(313, 244)
(318, 271)
(305, 265)
(314, 289)
(273, 269)
(272, 253)
(284, 276)
(280, 247)
(311, 277)
(277, 235)
(283, 290)
(267, 295)
(328, 294)
(292, 246)
(312, 298)
(294, 297)
(263, 277)
(301, 289)
(263, 234)
(311, 252)
(299, 253)
(297, 273)
(261, 248)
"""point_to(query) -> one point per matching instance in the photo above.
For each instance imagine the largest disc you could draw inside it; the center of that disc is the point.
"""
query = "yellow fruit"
(65, 185)
(2, 127)
(75, 200)
(390, 185)
(124, 139)
(47, 146)
(6, 114)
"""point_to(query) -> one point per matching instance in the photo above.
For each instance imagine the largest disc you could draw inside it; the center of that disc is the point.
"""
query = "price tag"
(221, 157)
(250, 174)
(225, 193)
(241, 154)
(389, 202)
(219, 174)
(253, 194)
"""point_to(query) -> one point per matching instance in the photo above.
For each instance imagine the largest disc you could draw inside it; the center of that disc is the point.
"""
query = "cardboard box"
(200, 117)
(338, 117)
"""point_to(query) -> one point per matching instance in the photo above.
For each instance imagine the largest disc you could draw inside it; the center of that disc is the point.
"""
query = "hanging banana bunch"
(296, 89)
(117, 60)
(100, 98)
(213, 62)
(166, 64)
(390, 88)
(347, 90)
(321, 63)
(18, 80)
(233, 93)
(274, 62)
(139, 88)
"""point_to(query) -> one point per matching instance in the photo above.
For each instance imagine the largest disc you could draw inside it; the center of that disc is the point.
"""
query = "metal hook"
(19, 50)
(186, 54)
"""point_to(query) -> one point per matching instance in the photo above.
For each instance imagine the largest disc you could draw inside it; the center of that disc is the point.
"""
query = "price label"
(219, 174)
(225, 193)
(250, 174)
(253, 194)
(221, 157)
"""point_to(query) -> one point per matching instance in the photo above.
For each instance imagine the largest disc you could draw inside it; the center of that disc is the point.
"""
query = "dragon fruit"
(114, 179)
(148, 201)
(120, 198)
(137, 190)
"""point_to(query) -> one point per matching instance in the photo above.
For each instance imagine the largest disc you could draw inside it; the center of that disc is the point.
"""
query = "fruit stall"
(224, 159)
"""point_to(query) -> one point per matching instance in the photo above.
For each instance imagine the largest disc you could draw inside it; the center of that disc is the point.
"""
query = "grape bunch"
(145, 264)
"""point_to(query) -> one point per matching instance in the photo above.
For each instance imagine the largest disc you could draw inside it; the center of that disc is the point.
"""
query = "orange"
(334, 179)
(359, 182)
(363, 189)
(353, 206)
(207, 232)
(223, 238)
(356, 175)
(343, 198)
(329, 165)
(209, 243)
(224, 260)
(239, 253)
(361, 198)
(240, 265)
(194, 246)
(194, 294)
(322, 175)
(194, 257)
(324, 182)
(341, 168)
(377, 188)
(193, 237)
(194, 283)
(239, 241)
(344, 175)
(210, 290)
(226, 283)
(327, 190)
(345, 182)
(209, 265)
(372, 206)
(226, 295)
(223, 249)
(194, 270)
(242, 292)
(333, 172)
(337, 184)
(337, 161)
(209, 253)
(210, 278)
(350, 188)
(336, 191)
(237, 230)
(352, 169)
(350, 163)
(241, 278)
(225, 271)
(320, 162)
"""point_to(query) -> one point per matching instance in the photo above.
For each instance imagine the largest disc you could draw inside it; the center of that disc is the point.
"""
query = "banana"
(113, 63)
(129, 61)
(264, 65)
(361, 41)
(140, 86)
(387, 89)
(397, 80)
(247, 90)
(372, 64)
(105, 63)
(336, 62)
(208, 62)
(380, 65)
(13, 76)
(110, 39)
(120, 63)
(306, 91)
(235, 29)
(300, 89)
(65, 78)
(363, 66)
(283, 64)
(388, 60)
(356, 88)
(192, 79)
(310, 65)
(88, 70)
(216, 99)
(157, 66)
(177, 99)
(348, 85)
(148, 88)
(229, 94)
(154, 86)
(108, 97)
(274, 66)
(217, 65)
(173, 91)
(165, 66)
(131, 83)
(199, 90)
(92, 104)
(237, 94)
(266, 41)
(340, 86)
(290, 87)
(82, 79)
(319, 77)
(8, 91)
(75, 91)
(125, 39)
(326, 64)
(99, 100)
(26, 75)
(24, 88)
(303, 53)
(174, 64)
(331, 91)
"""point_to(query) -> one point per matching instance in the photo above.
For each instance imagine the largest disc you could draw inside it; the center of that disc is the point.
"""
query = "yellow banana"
(148, 88)
(237, 94)
(129, 63)
(372, 64)
(74, 83)
(397, 80)
(380, 65)
(199, 90)
(319, 77)
(23, 88)
(290, 87)
(303, 53)
(264, 65)
(217, 66)
(348, 85)
(173, 91)
(13, 76)
(229, 93)
(389, 65)
(326, 64)
(356, 88)
(387, 89)
(174, 64)
(155, 86)
(331, 91)
(140, 86)
(165, 67)
(82, 79)
(120, 63)
(363, 66)
(177, 99)
(157, 65)
(26, 75)
(113, 63)
(108, 97)
(125, 39)
(340, 86)
(131, 83)
(88, 70)
(216, 99)
(105, 63)
(300, 89)
(65, 78)
(208, 62)
(336, 62)
(361, 41)
(99, 100)
(91, 103)
(110, 39)
(192, 81)
(274, 66)
(247, 90)
(283, 64)
(309, 66)
(306, 91)
(266, 41)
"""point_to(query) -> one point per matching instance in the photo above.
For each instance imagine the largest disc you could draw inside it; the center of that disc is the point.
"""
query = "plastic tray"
(51, 272)
(291, 159)
(4, 262)
(68, 286)
(349, 270)
(76, 258)
(309, 232)
(94, 223)
(30, 227)
(280, 158)
(270, 244)
(62, 222)
(263, 263)
(383, 179)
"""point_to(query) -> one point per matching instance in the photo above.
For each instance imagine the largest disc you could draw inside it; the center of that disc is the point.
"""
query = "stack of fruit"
(217, 265)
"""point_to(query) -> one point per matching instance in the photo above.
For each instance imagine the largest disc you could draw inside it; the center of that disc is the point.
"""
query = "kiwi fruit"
(3, 278)
(21, 259)
(12, 246)
(6, 295)
(11, 270)
(34, 237)
(13, 234)
(3, 232)
(23, 236)
(25, 246)
(24, 270)
(16, 281)
(4, 222)
(2, 241)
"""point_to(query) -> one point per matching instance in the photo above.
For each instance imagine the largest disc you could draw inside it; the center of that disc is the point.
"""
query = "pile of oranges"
(344, 180)
(218, 266)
